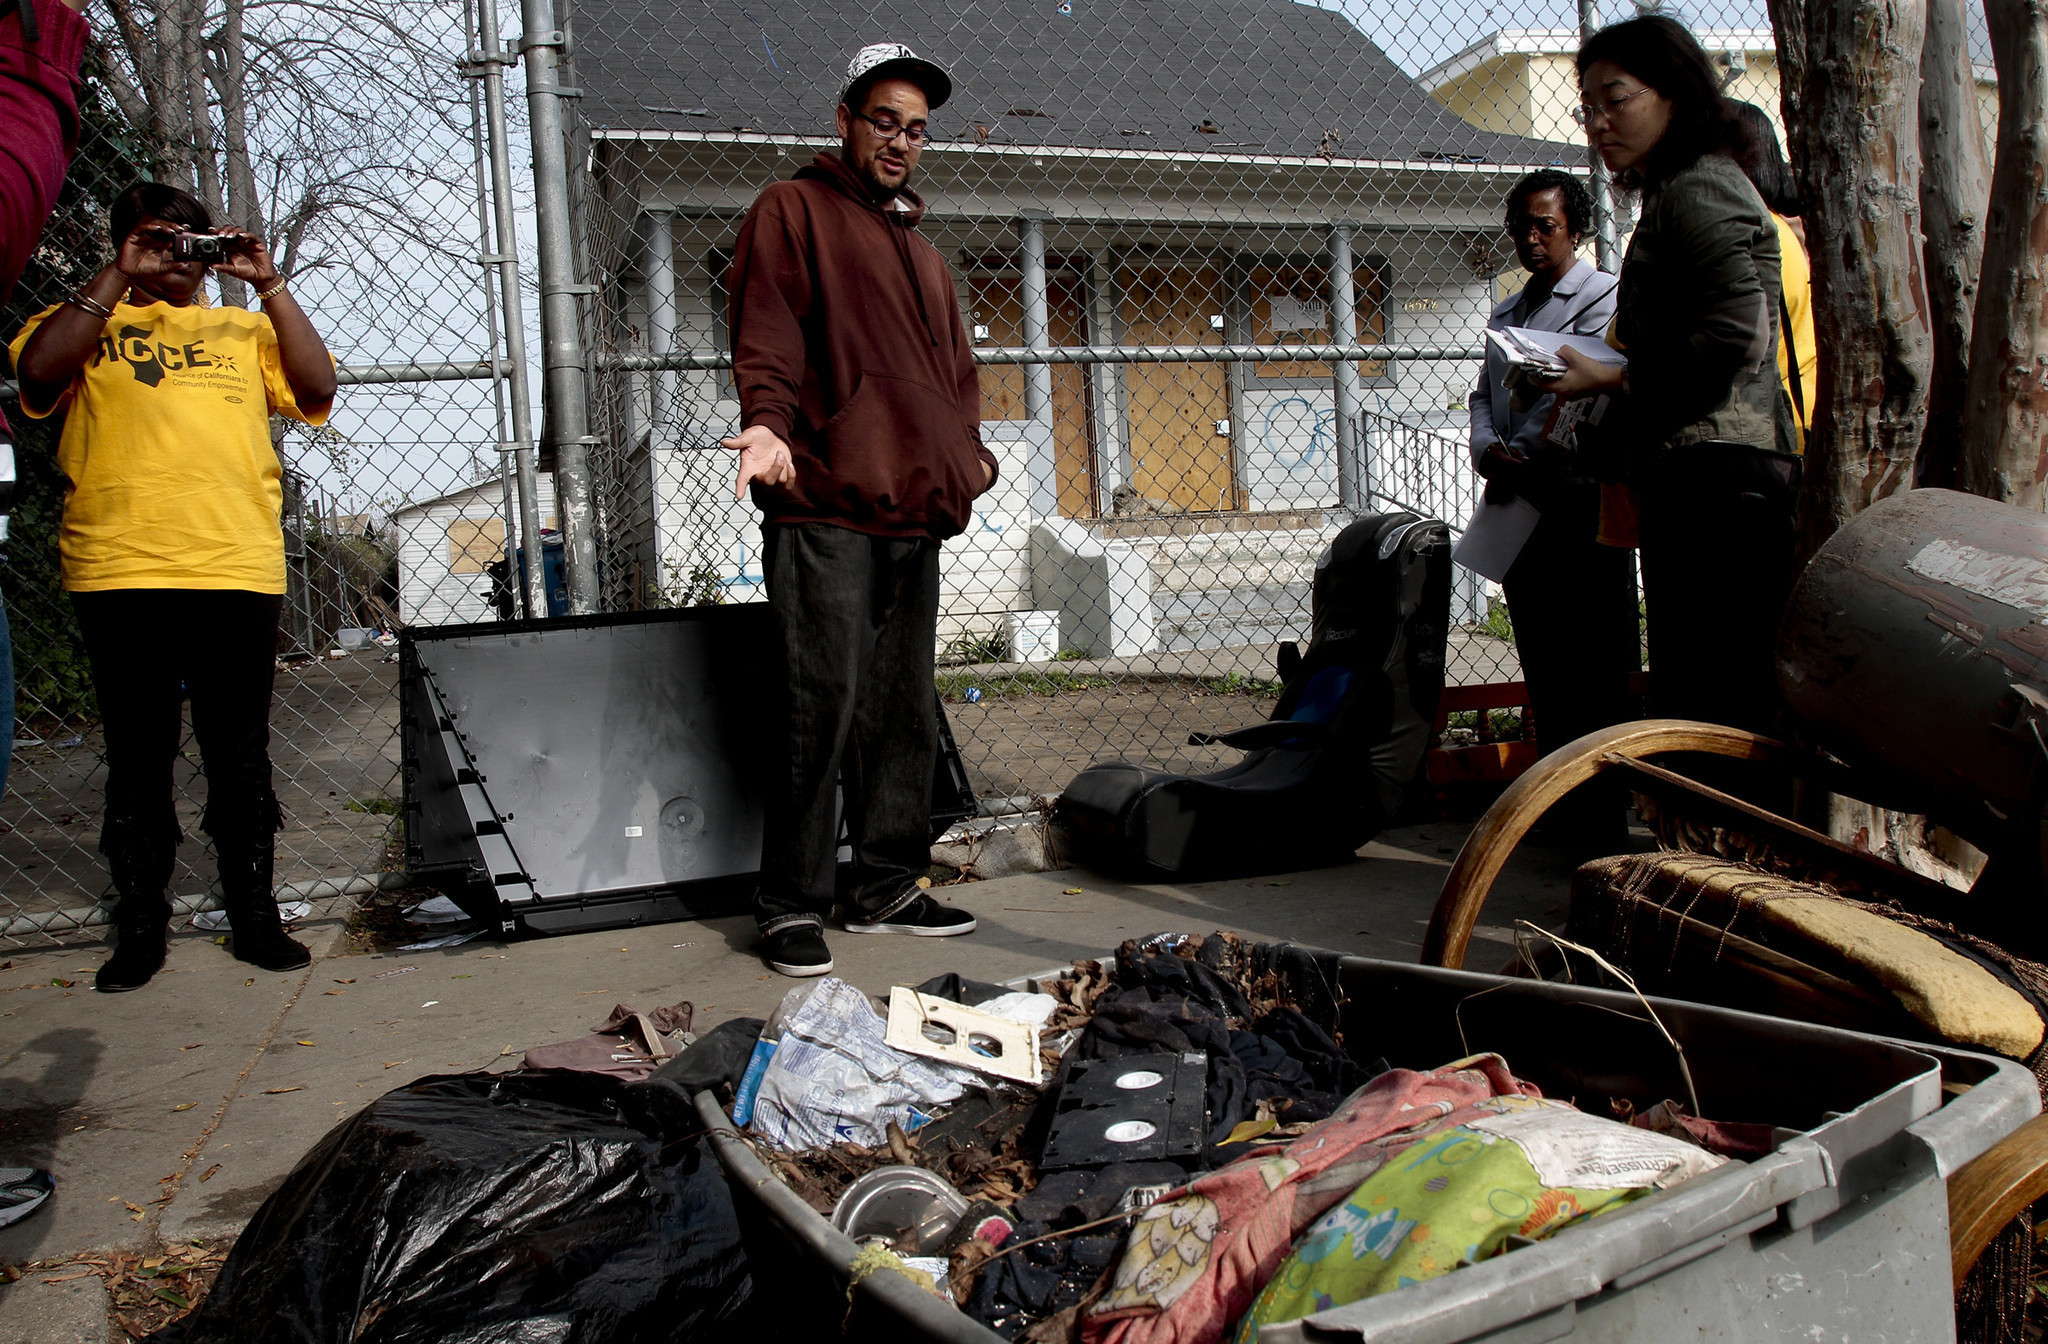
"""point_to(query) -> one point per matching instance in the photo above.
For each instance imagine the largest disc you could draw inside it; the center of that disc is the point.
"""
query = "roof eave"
(1078, 153)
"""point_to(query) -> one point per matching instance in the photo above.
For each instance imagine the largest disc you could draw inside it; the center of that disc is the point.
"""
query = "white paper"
(1495, 536)
(1577, 1151)
(1526, 345)
(1292, 314)
(214, 921)
(445, 940)
(436, 910)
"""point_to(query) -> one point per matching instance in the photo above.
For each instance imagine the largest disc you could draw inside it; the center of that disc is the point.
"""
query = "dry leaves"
(148, 1292)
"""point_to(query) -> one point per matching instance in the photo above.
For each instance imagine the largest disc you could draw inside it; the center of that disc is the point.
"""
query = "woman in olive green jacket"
(1694, 421)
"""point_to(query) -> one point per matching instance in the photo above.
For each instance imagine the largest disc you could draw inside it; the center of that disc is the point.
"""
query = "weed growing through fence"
(991, 646)
(955, 685)
(1237, 683)
(703, 586)
(1497, 622)
(375, 807)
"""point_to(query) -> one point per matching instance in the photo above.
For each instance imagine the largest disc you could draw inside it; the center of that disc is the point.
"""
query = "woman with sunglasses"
(1694, 425)
(1572, 600)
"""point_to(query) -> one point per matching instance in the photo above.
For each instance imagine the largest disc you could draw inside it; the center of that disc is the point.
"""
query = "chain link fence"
(1226, 265)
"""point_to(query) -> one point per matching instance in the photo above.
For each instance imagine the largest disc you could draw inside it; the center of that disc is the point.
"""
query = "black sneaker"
(922, 918)
(797, 949)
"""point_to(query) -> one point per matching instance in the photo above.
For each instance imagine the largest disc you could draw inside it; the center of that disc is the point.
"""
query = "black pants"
(855, 618)
(150, 648)
(1573, 603)
(1717, 547)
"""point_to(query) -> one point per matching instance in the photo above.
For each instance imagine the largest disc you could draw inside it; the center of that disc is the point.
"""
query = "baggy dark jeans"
(149, 649)
(856, 618)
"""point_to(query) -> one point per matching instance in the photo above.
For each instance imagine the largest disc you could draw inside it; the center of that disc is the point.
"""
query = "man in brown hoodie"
(861, 440)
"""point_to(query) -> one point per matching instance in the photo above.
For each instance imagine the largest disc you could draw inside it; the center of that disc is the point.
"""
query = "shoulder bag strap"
(1791, 358)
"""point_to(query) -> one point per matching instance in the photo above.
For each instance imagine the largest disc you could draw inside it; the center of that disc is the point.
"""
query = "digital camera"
(207, 247)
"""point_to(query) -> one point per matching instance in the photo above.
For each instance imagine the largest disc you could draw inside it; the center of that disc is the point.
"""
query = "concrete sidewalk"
(192, 1098)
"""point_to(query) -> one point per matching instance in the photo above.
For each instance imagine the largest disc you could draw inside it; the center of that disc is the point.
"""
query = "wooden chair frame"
(1985, 1196)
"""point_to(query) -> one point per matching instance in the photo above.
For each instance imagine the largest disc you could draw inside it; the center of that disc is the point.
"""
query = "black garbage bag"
(526, 1208)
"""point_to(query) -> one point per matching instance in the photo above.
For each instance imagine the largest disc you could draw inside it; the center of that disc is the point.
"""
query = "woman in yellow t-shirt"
(1798, 359)
(171, 545)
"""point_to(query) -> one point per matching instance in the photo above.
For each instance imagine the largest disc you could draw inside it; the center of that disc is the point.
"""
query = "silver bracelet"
(91, 305)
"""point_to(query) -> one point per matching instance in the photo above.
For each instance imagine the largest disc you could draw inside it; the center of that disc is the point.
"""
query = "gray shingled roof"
(1272, 76)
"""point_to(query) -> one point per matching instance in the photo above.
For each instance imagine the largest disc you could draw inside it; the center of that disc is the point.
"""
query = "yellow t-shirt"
(172, 480)
(1795, 273)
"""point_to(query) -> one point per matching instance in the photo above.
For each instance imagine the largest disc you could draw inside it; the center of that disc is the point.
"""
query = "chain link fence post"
(501, 260)
(566, 417)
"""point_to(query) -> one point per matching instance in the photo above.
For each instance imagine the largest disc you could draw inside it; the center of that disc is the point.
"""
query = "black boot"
(246, 864)
(140, 926)
(141, 864)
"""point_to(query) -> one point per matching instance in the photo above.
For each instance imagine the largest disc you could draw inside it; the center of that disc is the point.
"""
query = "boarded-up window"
(1290, 305)
(474, 543)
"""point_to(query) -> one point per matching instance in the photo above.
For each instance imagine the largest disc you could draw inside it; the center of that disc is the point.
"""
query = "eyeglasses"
(1519, 227)
(888, 128)
(1585, 112)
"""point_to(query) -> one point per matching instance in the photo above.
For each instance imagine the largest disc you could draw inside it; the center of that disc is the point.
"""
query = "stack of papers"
(1535, 352)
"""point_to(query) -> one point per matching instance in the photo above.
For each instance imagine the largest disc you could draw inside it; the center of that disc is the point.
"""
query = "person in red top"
(861, 439)
(39, 54)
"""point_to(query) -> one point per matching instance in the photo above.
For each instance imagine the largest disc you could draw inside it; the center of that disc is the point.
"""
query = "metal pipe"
(1103, 354)
(1037, 317)
(564, 393)
(661, 316)
(1349, 395)
(525, 468)
(1606, 247)
(508, 504)
(359, 374)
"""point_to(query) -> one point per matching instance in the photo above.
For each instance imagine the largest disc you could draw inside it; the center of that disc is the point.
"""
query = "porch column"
(1350, 397)
(660, 269)
(1037, 316)
(1038, 377)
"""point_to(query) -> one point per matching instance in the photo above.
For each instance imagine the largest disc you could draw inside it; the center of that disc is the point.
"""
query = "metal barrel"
(1914, 648)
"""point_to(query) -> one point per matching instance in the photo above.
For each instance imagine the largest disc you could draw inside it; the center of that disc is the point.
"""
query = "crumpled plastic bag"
(548, 1208)
(834, 1079)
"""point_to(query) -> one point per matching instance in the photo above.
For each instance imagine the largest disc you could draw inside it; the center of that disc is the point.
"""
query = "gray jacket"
(1582, 302)
(1698, 317)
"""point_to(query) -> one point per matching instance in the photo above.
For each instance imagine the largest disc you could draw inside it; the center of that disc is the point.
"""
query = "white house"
(1215, 173)
(446, 546)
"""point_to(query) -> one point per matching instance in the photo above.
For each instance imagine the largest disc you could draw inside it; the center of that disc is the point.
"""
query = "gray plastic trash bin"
(1840, 1233)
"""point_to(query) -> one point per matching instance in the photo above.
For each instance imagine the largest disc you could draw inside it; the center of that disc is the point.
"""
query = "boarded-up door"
(1180, 413)
(996, 301)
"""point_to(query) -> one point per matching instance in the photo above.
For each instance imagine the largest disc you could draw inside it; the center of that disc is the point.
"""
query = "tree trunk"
(172, 102)
(1788, 25)
(1952, 202)
(1858, 138)
(245, 205)
(2005, 446)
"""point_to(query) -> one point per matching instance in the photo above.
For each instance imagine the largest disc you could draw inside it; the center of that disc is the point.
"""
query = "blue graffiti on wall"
(1320, 444)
